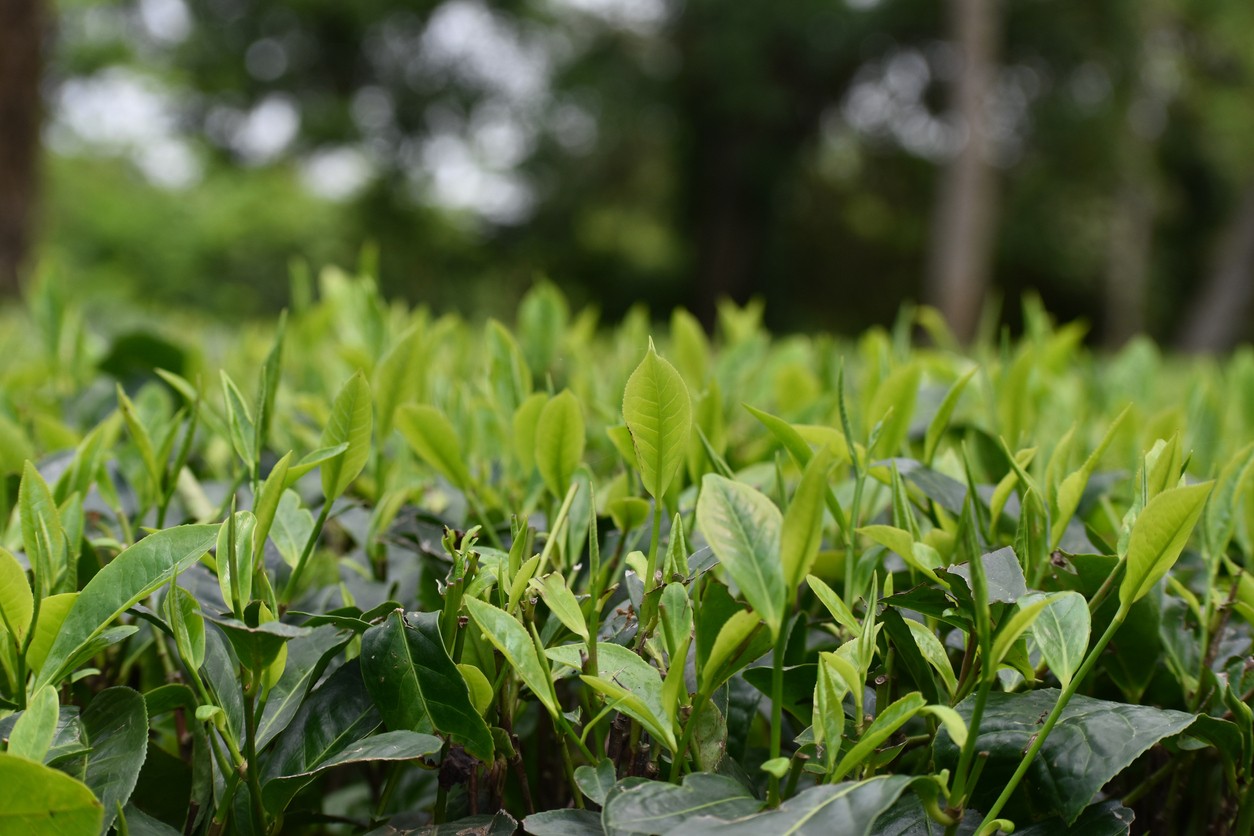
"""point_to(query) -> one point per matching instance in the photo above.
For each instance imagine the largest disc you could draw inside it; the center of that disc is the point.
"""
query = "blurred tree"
(22, 31)
(964, 226)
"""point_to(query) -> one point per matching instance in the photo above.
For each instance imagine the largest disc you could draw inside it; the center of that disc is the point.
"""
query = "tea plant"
(379, 571)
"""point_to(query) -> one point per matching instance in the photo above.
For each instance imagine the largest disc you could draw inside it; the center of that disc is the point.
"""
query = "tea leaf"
(415, 684)
(659, 807)
(658, 412)
(17, 605)
(559, 441)
(635, 687)
(1158, 536)
(850, 808)
(36, 799)
(743, 529)
(129, 578)
(802, 531)
(1062, 632)
(511, 639)
(430, 434)
(32, 733)
(116, 727)
(351, 422)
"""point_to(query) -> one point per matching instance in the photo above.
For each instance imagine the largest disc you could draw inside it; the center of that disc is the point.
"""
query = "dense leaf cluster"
(377, 571)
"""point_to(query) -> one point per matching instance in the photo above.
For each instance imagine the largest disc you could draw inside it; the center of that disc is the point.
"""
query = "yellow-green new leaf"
(1158, 536)
(352, 419)
(509, 636)
(17, 604)
(658, 412)
(803, 521)
(33, 732)
(562, 603)
(559, 441)
(431, 435)
(38, 799)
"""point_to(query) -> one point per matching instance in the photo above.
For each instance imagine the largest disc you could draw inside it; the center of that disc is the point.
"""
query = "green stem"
(1107, 585)
(472, 499)
(685, 739)
(251, 766)
(290, 587)
(1039, 739)
(777, 710)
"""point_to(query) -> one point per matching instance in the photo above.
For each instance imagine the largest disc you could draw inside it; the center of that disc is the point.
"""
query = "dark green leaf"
(595, 781)
(658, 807)
(848, 808)
(337, 715)
(415, 684)
(388, 746)
(564, 823)
(116, 727)
(1093, 742)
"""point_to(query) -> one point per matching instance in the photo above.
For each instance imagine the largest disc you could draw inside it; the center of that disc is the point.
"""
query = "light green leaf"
(431, 435)
(838, 608)
(559, 441)
(1158, 536)
(36, 799)
(1025, 613)
(17, 604)
(732, 638)
(562, 603)
(743, 529)
(658, 412)
(896, 393)
(526, 419)
(240, 421)
(351, 422)
(125, 581)
(182, 612)
(398, 378)
(291, 529)
(1062, 633)
(940, 421)
(802, 531)
(934, 652)
(33, 732)
(235, 565)
(267, 504)
(52, 613)
(888, 720)
(510, 637)
(635, 687)
(42, 535)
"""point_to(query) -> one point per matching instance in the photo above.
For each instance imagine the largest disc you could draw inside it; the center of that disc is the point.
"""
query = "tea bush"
(374, 570)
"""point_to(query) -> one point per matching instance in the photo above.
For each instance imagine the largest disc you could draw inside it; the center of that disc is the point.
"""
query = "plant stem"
(777, 710)
(290, 587)
(1039, 739)
(685, 739)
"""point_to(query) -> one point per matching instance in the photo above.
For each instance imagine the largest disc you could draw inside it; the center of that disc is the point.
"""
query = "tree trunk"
(22, 25)
(964, 224)
(1217, 318)
(1128, 263)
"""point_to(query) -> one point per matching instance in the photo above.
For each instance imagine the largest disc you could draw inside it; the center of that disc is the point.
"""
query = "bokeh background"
(833, 157)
